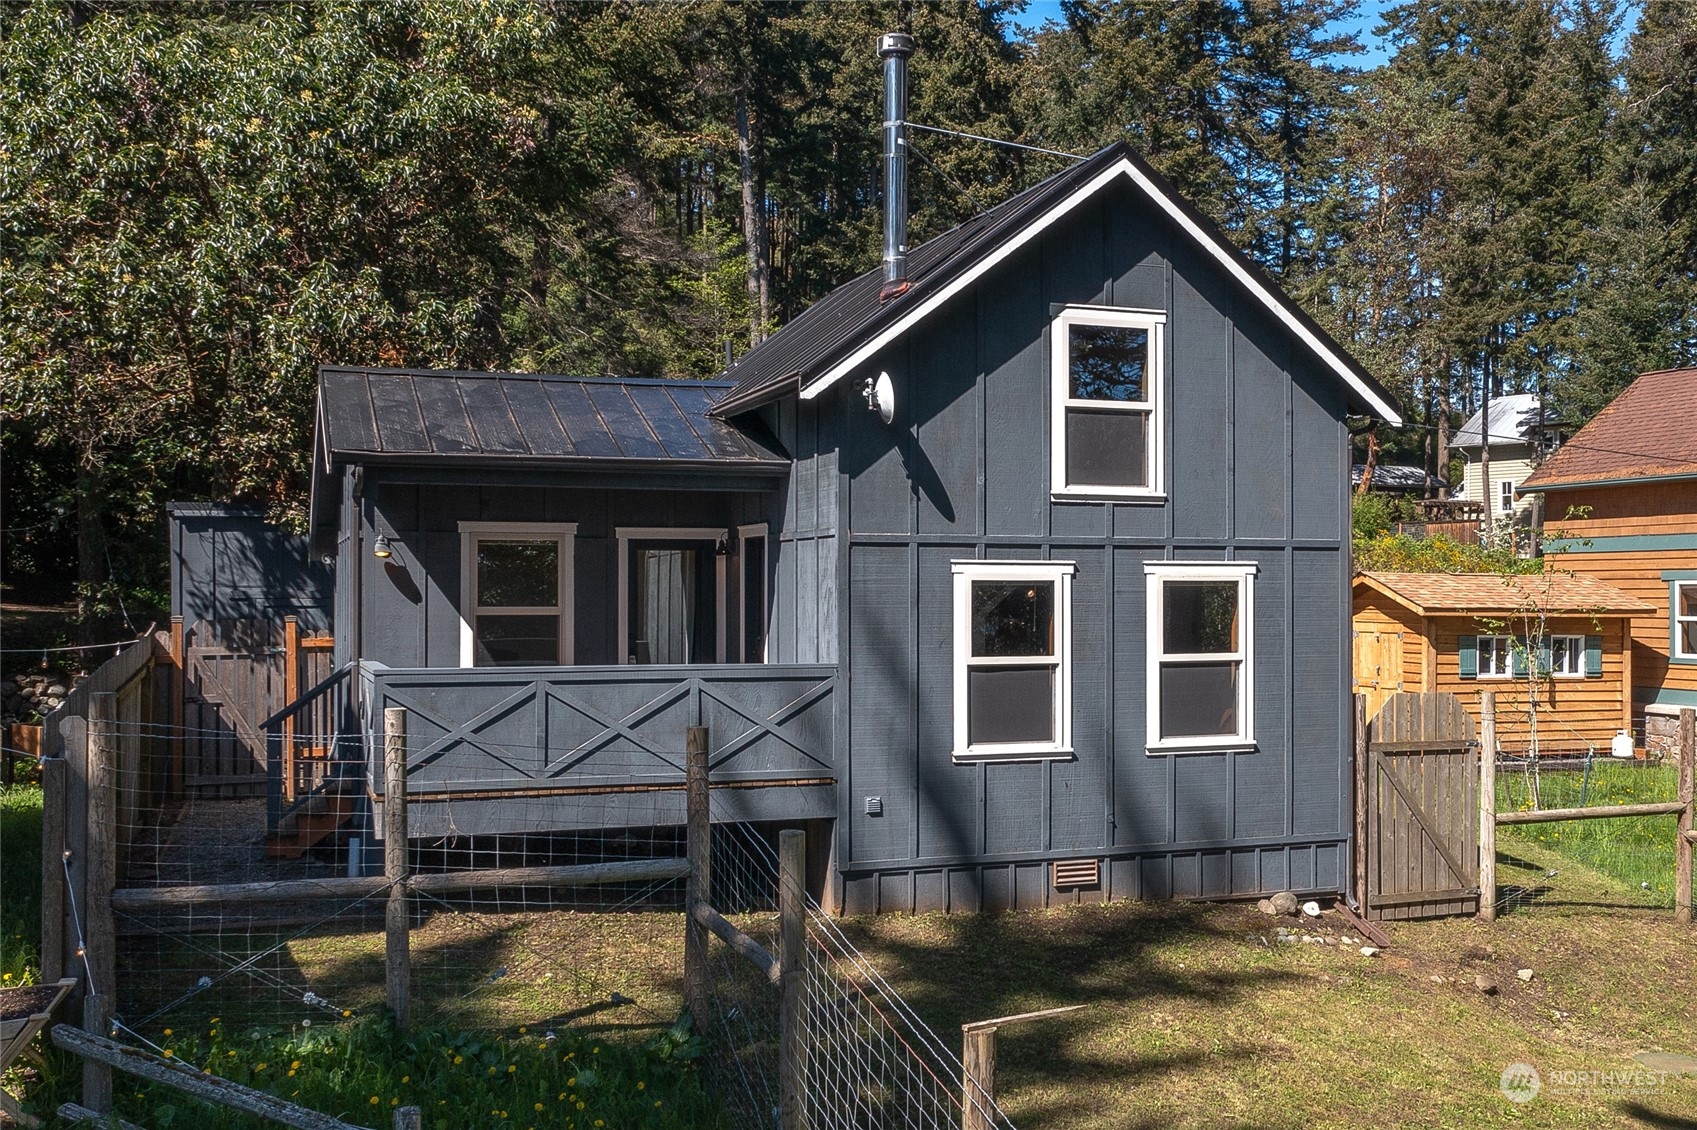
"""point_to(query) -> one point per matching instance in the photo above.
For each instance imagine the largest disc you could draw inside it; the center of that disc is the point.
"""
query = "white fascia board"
(1226, 256)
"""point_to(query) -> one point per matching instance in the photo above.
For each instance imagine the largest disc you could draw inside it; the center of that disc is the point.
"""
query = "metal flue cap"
(895, 43)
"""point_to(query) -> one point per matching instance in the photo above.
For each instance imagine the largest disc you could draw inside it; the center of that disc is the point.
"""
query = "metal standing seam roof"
(851, 315)
(1649, 431)
(1494, 593)
(1513, 420)
(447, 418)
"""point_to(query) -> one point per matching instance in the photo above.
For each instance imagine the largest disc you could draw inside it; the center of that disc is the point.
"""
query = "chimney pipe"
(894, 49)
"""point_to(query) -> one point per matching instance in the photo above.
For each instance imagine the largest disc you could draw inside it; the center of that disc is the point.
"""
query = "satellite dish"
(881, 396)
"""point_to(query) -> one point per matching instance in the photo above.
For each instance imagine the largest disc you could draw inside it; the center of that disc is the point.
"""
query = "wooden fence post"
(699, 846)
(1682, 844)
(397, 965)
(1361, 802)
(979, 1063)
(101, 870)
(179, 691)
(52, 869)
(291, 691)
(1488, 805)
(792, 978)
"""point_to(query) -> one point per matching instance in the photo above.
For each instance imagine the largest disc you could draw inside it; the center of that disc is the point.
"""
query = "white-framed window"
(1505, 495)
(751, 630)
(1683, 608)
(516, 593)
(1013, 659)
(1200, 635)
(1106, 388)
(672, 594)
(1496, 657)
(1567, 657)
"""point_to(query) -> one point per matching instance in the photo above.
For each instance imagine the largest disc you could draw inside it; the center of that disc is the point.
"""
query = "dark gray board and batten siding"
(229, 563)
(1255, 470)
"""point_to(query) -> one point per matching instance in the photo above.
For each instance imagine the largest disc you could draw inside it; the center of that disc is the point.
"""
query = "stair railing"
(310, 743)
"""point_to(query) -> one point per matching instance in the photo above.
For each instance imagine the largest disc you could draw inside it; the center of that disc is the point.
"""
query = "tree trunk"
(1372, 462)
(91, 548)
(753, 222)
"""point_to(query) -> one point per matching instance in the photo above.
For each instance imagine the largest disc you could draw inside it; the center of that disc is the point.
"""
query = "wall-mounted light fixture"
(880, 393)
(380, 548)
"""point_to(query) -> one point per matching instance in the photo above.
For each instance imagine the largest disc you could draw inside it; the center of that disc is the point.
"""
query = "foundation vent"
(1077, 873)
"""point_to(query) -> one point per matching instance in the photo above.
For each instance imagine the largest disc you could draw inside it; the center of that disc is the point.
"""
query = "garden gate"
(236, 674)
(1418, 809)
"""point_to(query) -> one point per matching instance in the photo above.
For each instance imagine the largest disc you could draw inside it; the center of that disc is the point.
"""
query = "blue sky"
(1363, 23)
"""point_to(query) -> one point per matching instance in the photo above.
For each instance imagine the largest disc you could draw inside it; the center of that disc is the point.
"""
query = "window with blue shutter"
(1593, 657)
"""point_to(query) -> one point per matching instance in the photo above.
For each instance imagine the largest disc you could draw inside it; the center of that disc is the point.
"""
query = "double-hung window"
(1505, 495)
(1200, 640)
(1684, 608)
(1013, 662)
(1567, 657)
(1105, 403)
(515, 594)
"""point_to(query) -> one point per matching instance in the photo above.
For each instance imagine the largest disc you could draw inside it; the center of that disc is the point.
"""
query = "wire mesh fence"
(214, 930)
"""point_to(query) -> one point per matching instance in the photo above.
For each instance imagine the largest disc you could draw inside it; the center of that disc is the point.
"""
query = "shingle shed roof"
(1496, 594)
(416, 416)
(1648, 431)
(815, 347)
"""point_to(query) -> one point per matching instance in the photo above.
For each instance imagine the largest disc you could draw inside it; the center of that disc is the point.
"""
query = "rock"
(1485, 984)
(1435, 979)
(1369, 951)
(1311, 909)
(1523, 974)
(58, 690)
(1265, 906)
(1284, 903)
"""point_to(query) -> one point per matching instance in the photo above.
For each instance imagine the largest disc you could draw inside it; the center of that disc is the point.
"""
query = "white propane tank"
(1621, 746)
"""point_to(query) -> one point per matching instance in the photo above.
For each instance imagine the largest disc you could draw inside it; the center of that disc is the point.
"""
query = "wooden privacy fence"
(1684, 808)
(235, 675)
(1417, 819)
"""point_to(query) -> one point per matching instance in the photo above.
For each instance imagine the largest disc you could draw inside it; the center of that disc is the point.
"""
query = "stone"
(1523, 974)
(1311, 909)
(59, 690)
(1369, 951)
(1284, 903)
(1671, 1062)
(1435, 979)
(1485, 983)
(1265, 906)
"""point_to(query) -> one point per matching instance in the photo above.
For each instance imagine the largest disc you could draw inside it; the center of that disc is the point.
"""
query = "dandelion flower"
(537, 1107)
(167, 1031)
(294, 1065)
(375, 1100)
(512, 1067)
(169, 1053)
(641, 1086)
(458, 1060)
(523, 1029)
(492, 1071)
(406, 1078)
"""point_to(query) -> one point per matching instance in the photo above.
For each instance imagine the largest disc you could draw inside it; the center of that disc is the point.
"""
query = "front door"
(672, 609)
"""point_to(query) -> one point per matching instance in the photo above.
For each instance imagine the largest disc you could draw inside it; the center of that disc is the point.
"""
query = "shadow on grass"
(1130, 959)
(1656, 1118)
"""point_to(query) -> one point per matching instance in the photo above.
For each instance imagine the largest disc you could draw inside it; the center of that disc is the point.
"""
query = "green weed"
(20, 887)
(1637, 850)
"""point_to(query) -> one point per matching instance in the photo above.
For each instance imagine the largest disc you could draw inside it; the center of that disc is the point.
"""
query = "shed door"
(1378, 667)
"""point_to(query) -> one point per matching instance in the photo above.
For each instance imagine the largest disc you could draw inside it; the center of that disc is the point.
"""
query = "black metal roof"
(831, 329)
(511, 419)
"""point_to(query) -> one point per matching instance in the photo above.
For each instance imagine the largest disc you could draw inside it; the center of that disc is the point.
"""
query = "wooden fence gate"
(236, 674)
(1417, 792)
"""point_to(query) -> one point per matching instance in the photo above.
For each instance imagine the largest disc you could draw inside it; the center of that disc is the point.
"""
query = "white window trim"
(1505, 647)
(1060, 398)
(565, 533)
(1675, 620)
(1575, 652)
(746, 534)
(628, 534)
(1060, 573)
(1156, 574)
(1505, 496)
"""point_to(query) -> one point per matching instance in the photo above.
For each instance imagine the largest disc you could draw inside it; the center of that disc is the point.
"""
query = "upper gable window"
(1106, 388)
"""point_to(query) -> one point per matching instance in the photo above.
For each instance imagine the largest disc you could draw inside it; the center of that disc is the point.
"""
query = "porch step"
(318, 821)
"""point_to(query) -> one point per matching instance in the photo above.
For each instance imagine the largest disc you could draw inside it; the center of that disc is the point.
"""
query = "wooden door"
(1422, 809)
(1378, 666)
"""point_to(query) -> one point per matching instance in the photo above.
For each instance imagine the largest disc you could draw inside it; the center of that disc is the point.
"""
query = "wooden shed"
(1557, 649)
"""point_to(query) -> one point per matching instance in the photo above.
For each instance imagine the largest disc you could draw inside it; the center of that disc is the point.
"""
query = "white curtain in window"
(668, 598)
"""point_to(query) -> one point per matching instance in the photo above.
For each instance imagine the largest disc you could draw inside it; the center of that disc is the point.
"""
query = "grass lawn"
(20, 884)
(1637, 850)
